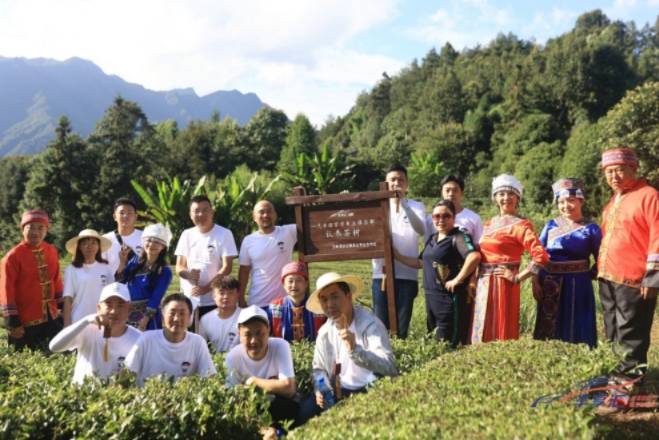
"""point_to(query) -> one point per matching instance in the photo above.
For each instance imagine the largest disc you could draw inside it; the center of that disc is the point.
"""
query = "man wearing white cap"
(103, 347)
(264, 362)
(352, 348)
(173, 351)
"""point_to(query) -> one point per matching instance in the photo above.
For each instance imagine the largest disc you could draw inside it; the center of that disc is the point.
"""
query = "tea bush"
(37, 400)
(477, 392)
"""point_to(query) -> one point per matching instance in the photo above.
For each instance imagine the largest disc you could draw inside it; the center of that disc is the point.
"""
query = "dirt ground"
(637, 424)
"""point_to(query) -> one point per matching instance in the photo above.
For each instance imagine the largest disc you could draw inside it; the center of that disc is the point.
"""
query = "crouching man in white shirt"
(266, 363)
(173, 351)
(352, 348)
(103, 347)
(220, 326)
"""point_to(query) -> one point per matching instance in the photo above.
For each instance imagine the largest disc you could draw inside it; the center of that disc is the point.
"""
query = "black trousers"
(37, 337)
(627, 321)
(281, 409)
(447, 314)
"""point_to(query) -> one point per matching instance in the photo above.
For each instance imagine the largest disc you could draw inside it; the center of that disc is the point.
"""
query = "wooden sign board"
(347, 226)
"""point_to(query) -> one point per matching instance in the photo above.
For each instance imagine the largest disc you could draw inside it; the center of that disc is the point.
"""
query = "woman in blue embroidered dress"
(148, 276)
(566, 310)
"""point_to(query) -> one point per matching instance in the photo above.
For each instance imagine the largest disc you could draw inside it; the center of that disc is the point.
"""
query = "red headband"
(34, 216)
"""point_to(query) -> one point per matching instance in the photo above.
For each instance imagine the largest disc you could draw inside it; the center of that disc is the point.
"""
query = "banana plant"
(321, 173)
(169, 204)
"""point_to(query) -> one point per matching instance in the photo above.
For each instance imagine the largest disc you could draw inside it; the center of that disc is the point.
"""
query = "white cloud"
(288, 45)
(626, 10)
(547, 24)
(463, 23)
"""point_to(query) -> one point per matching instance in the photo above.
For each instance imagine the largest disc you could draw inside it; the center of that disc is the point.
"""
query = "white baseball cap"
(115, 289)
(253, 312)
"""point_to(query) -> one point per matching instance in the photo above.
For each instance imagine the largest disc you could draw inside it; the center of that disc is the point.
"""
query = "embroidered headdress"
(506, 182)
(570, 187)
(620, 156)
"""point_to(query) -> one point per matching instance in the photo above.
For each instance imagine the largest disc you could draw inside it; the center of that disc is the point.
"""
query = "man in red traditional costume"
(628, 263)
(31, 286)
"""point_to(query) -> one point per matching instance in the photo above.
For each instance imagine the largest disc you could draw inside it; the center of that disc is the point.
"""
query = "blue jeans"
(406, 291)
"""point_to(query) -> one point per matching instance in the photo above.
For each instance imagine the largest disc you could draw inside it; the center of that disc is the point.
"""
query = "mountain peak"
(80, 90)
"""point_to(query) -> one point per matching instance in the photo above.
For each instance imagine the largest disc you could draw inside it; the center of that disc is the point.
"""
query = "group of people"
(472, 272)
(115, 313)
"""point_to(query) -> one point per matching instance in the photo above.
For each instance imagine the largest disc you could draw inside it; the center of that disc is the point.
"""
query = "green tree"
(300, 138)
(582, 160)
(60, 178)
(126, 148)
(426, 174)
(634, 122)
(266, 134)
(14, 173)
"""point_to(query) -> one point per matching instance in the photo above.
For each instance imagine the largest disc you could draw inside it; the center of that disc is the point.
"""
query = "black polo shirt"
(448, 255)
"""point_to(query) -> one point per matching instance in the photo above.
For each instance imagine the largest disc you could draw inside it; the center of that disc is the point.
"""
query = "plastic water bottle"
(327, 393)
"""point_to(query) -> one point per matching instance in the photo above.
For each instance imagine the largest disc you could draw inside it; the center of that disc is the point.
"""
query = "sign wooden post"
(347, 226)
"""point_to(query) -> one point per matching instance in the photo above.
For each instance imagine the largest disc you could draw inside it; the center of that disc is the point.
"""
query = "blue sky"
(305, 56)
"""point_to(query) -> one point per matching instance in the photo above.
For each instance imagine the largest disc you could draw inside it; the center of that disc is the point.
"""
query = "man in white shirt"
(406, 218)
(102, 339)
(220, 327)
(126, 236)
(203, 253)
(263, 254)
(352, 348)
(467, 220)
(263, 362)
(173, 351)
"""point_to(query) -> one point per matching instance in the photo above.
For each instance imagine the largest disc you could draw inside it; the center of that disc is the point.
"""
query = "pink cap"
(294, 268)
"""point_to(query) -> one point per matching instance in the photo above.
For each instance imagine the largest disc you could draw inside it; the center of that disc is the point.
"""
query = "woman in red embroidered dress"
(504, 240)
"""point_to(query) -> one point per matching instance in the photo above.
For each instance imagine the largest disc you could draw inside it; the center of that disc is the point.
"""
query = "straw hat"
(72, 244)
(354, 282)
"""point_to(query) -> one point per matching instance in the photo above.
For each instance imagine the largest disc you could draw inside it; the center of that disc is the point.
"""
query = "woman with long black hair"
(148, 276)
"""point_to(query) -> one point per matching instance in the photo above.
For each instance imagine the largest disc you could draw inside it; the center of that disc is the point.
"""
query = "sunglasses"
(441, 216)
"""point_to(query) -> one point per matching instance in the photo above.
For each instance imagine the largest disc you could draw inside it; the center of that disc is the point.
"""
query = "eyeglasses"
(441, 216)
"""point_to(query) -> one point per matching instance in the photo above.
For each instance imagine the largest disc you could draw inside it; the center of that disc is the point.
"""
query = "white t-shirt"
(133, 241)
(222, 333)
(467, 220)
(352, 375)
(83, 285)
(277, 363)
(153, 355)
(205, 252)
(90, 342)
(405, 239)
(267, 254)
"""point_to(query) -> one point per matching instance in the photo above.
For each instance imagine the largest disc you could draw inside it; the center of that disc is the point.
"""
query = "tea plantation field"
(475, 392)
